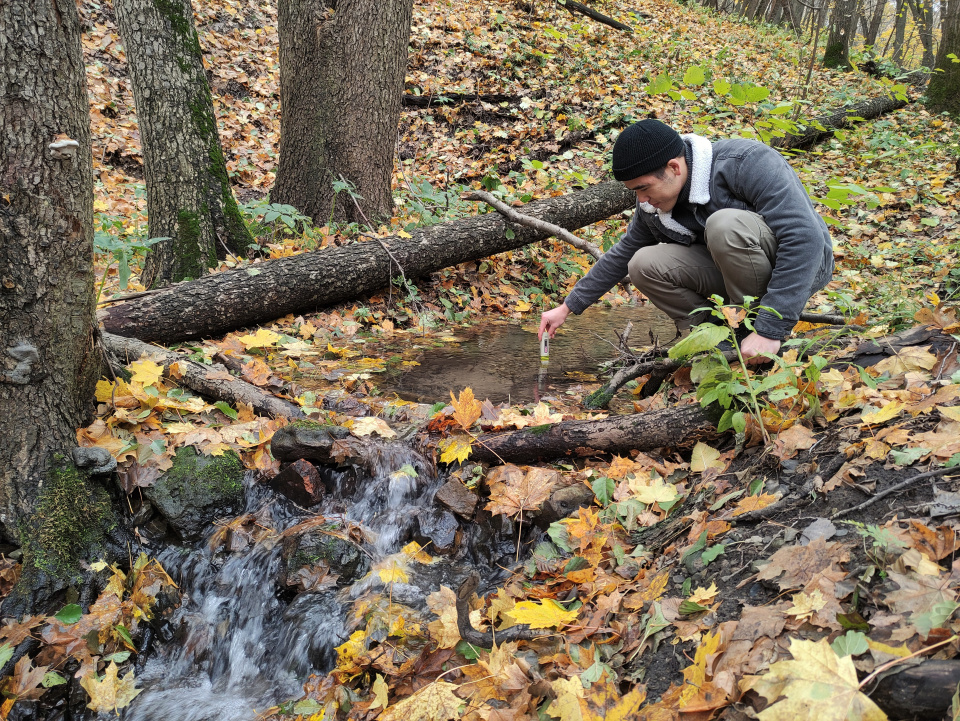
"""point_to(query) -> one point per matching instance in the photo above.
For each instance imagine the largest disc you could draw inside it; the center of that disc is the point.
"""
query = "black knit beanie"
(643, 148)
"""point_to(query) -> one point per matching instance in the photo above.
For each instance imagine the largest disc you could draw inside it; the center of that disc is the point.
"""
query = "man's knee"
(732, 231)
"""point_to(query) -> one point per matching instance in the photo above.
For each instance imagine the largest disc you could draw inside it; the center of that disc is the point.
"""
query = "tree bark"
(49, 364)
(899, 32)
(923, 691)
(299, 284)
(944, 89)
(923, 17)
(843, 21)
(839, 118)
(619, 434)
(342, 65)
(872, 28)
(189, 199)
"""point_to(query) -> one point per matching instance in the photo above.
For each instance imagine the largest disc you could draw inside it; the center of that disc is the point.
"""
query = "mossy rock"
(319, 548)
(197, 490)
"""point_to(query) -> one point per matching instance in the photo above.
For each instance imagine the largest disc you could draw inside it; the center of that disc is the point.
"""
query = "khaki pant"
(736, 261)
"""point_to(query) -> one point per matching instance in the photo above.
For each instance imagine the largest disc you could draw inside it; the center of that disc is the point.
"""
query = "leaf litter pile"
(723, 580)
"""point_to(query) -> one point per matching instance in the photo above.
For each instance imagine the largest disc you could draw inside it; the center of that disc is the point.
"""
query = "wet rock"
(563, 503)
(345, 404)
(300, 482)
(492, 539)
(439, 528)
(197, 490)
(316, 550)
(308, 440)
(458, 498)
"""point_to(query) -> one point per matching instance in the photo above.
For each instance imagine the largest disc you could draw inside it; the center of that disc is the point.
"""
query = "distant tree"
(899, 33)
(843, 23)
(923, 17)
(944, 89)
(342, 66)
(189, 199)
(48, 362)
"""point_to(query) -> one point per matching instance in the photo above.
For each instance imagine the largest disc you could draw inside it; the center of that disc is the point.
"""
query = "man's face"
(661, 193)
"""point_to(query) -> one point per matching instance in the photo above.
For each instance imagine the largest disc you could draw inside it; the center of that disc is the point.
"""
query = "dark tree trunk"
(843, 21)
(342, 66)
(189, 199)
(923, 17)
(839, 118)
(303, 283)
(899, 32)
(872, 28)
(944, 89)
(49, 363)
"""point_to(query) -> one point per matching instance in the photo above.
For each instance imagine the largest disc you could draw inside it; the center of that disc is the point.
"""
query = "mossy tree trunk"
(342, 65)
(189, 199)
(944, 89)
(49, 363)
(843, 22)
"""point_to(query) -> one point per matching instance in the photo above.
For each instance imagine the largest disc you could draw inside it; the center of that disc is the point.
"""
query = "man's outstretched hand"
(553, 319)
(752, 346)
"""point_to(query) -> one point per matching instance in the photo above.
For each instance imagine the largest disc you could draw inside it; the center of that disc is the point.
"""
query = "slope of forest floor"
(706, 580)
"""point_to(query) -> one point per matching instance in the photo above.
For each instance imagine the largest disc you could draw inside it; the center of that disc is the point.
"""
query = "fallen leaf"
(263, 338)
(545, 614)
(146, 372)
(434, 702)
(522, 493)
(109, 693)
(371, 424)
(466, 408)
(704, 457)
(455, 449)
(815, 684)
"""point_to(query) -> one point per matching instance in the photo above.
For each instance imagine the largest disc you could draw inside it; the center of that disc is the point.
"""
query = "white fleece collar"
(702, 151)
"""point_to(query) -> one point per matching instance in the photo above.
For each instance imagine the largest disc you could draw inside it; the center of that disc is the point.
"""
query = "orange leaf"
(466, 409)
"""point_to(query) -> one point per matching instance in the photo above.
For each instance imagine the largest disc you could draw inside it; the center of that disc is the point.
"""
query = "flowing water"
(501, 361)
(236, 645)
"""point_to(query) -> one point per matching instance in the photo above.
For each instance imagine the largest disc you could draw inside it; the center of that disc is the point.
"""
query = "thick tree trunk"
(619, 434)
(944, 89)
(49, 363)
(872, 28)
(189, 200)
(342, 65)
(843, 21)
(303, 283)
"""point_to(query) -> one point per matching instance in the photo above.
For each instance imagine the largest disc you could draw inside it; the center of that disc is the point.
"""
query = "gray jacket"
(746, 175)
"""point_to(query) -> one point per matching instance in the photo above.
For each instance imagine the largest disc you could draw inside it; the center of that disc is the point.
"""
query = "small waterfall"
(237, 645)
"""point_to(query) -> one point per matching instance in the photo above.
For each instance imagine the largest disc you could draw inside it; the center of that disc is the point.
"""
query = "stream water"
(500, 361)
(237, 645)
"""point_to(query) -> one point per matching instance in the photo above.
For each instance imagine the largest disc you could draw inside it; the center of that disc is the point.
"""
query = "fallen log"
(203, 379)
(822, 127)
(428, 101)
(618, 434)
(219, 303)
(924, 691)
(575, 7)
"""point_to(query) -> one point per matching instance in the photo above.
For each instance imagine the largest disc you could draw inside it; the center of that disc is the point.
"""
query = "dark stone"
(318, 548)
(563, 503)
(458, 498)
(197, 490)
(438, 528)
(300, 482)
(307, 439)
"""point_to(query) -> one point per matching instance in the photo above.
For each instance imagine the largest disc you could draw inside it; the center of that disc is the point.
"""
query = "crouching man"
(729, 218)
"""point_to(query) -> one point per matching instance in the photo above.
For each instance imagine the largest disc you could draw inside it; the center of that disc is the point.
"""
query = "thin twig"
(893, 489)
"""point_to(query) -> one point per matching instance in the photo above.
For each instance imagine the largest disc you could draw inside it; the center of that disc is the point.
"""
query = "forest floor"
(704, 580)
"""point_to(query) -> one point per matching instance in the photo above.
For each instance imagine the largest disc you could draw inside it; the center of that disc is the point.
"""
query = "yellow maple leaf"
(455, 449)
(393, 573)
(703, 595)
(704, 457)
(263, 338)
(466, 408)
(366, 426)
(416, 552)
(146, 372)
(174, 428)
(566, 705)
(804, 606)
(543, 416)
(605, 702)
(951, 412)
(655, 491)
(816, 683)
(546, 614)
(871, 416)
(109, 693)
(434, 702)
